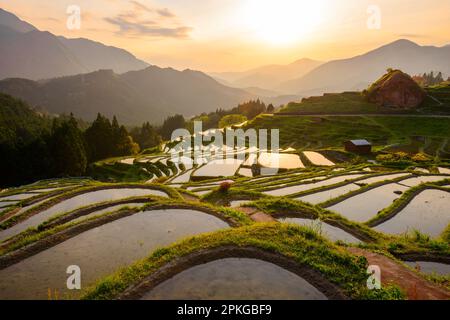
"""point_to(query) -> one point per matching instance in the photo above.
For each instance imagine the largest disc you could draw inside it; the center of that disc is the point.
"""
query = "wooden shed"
(360, 146)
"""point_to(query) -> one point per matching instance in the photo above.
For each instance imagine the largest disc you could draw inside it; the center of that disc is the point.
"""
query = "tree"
(146, 136)
(124, 144)
(68, 149)
(250, 109)
(170, 124)
(100, 139)
(270, 108)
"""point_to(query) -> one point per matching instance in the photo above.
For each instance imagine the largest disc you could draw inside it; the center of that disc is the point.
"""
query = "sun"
(282, 21)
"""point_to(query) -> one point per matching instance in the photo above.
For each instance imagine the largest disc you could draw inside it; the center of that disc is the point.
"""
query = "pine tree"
(100, 139)
(68, 148)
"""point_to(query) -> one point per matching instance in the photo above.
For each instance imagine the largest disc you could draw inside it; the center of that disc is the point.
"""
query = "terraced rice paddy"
(245, 172)
(412, 182)
(365, 206)
(18, 197)
(328, 231)
(428, 267)
(219, 168)
(323, 196)
(109, 209)
(428, 212)
(309, 186)
(382, 178)
(102, 250)
(317, 159)
(182, 178)
(102, 245)
(235, 279)
(444, 170)
(82, 200)
(280, 161)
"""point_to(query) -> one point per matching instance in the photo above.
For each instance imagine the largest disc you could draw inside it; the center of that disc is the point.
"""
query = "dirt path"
(256, 215)
(415, 287)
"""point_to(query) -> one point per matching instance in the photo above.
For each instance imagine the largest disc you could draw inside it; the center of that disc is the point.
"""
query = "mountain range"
(150, 94)
(61, 75)
(27, 52)
(268, 77)
(358, 72)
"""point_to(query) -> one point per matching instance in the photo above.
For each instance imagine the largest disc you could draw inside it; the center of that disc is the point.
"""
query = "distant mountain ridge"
(27, 52)
(358, 72)
(267, 77)
(134, 97)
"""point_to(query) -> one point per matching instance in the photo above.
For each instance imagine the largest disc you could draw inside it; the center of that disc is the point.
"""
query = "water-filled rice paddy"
(317, 159)
(280, 161)
(428, 212)
(309, 186)
(382, 178)
(235, 279)
(412, 182)
(364, 206)
(82, 200)
(328, 231)
(18, 197)
(102, 250)
(323, 196)
(219, 168)
(428, 267)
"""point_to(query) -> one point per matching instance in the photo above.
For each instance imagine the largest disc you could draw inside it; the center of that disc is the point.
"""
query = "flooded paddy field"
(303, 187)
(428, 212)
(412, 182)
(235, 279)
(280, 161)
(323, 196)
(219, 168)
(102, 250)
(78, 201)
(318, 159)
(427, 267)
(328, 231)
(365, 206)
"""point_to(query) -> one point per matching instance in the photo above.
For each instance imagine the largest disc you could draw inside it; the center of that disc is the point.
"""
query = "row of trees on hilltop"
(249, 110)
(429, 79)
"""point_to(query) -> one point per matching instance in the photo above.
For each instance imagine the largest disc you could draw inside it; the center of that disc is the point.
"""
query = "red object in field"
(224, 186)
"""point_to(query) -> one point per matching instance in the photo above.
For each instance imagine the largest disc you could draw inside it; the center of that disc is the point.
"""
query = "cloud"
(148, 28)
(165, 13)
(145, 21)
(412, 35)
(140, 7)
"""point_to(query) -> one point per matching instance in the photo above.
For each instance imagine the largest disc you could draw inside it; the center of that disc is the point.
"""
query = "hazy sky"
(229, 35)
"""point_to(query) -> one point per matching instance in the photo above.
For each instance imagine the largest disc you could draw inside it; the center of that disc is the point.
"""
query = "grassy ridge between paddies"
(312, 132)
(414, 243)
(62, 232)
(95, 186)
(301, 244)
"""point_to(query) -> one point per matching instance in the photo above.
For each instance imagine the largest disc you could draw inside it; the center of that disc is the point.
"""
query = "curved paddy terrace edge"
(405, 199)
(30, 245)
(84, 190)
(322, 264)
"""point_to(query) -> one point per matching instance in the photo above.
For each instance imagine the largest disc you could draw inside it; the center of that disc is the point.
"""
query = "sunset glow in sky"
(233, 35)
